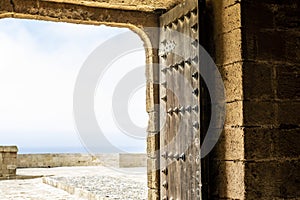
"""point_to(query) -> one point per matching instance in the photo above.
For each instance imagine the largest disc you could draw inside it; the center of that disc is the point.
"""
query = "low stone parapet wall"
(8, 161)
(64, 160)
(127, 160)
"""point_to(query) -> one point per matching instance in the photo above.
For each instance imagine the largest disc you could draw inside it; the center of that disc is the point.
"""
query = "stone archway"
(116, 14)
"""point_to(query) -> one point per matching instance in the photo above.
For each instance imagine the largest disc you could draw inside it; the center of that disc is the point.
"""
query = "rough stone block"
(152, 96)
(8, 149)
(258, 143)
(153, 194)
(234, 114)
(152, 70)
(153, 173)
(153, 145)
(228, 180)
(230, 145)
(19, 5)
(232, 77)
(153, 122)
(288, 82)
(6, 6)
(257, 81)
(267, 48)
(227, 18)
(12, 172)
(288, 114)
(286, 143)
(228, 47)
(287, 16)
(292, 46)
(4, 170)
(259, 113)
(270, 179)
(260, 45)
(8, 160)
(224, 4)
(8, 155)
(257, 15)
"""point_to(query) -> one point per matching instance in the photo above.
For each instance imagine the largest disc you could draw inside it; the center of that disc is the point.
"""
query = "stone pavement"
(79, 182)
(31, 189)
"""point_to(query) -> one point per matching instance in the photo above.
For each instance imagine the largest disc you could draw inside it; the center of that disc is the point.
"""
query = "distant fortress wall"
(64, 160)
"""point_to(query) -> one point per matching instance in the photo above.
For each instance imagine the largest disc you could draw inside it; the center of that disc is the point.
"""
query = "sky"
(39, 64)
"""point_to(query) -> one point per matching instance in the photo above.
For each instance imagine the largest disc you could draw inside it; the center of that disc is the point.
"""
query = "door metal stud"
(165, 184)
(195, 108)
(196, 125)
(195, 75)
(170, 111)
(176, 110)
(196, 92)
(176, 156)
(165, 171)
(188, 109)
(195, 59)
(164, 155)
(182, 157)
(181, 110)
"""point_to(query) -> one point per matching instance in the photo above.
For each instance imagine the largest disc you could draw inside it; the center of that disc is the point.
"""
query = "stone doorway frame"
(134, 17)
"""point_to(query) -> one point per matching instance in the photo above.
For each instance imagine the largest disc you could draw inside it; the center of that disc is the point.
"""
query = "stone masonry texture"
(8, 161)
(271, 52)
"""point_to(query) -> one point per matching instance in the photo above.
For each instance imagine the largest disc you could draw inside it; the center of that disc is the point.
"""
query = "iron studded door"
(180, 111)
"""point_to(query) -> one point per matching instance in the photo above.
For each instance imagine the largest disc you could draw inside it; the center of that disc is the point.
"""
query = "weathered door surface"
(180, 102)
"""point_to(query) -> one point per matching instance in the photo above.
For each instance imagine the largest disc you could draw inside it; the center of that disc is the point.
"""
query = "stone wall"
(127, 160)
(63, 160)
(222, 38)
(271, 85)
(255, 44)
(8, 161)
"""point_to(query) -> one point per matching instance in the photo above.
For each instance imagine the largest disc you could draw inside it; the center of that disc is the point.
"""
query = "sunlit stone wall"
(8, 161)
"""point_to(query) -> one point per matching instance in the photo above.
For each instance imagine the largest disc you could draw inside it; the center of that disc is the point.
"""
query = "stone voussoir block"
(228, 47)
(234, 114)
(231, 144)
(153, 122)
(227, 19)
(152, 96)
(232, 78)
(226, 172)
(153, 173)
(153, 194)
(153, 145)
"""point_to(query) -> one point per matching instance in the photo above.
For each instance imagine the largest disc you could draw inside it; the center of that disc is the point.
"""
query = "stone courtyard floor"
(66, 183)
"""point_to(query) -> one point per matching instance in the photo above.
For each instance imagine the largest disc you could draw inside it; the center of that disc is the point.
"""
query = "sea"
(45, 150)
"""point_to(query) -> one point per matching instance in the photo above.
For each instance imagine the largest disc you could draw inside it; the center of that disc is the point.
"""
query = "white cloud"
(39, 62)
